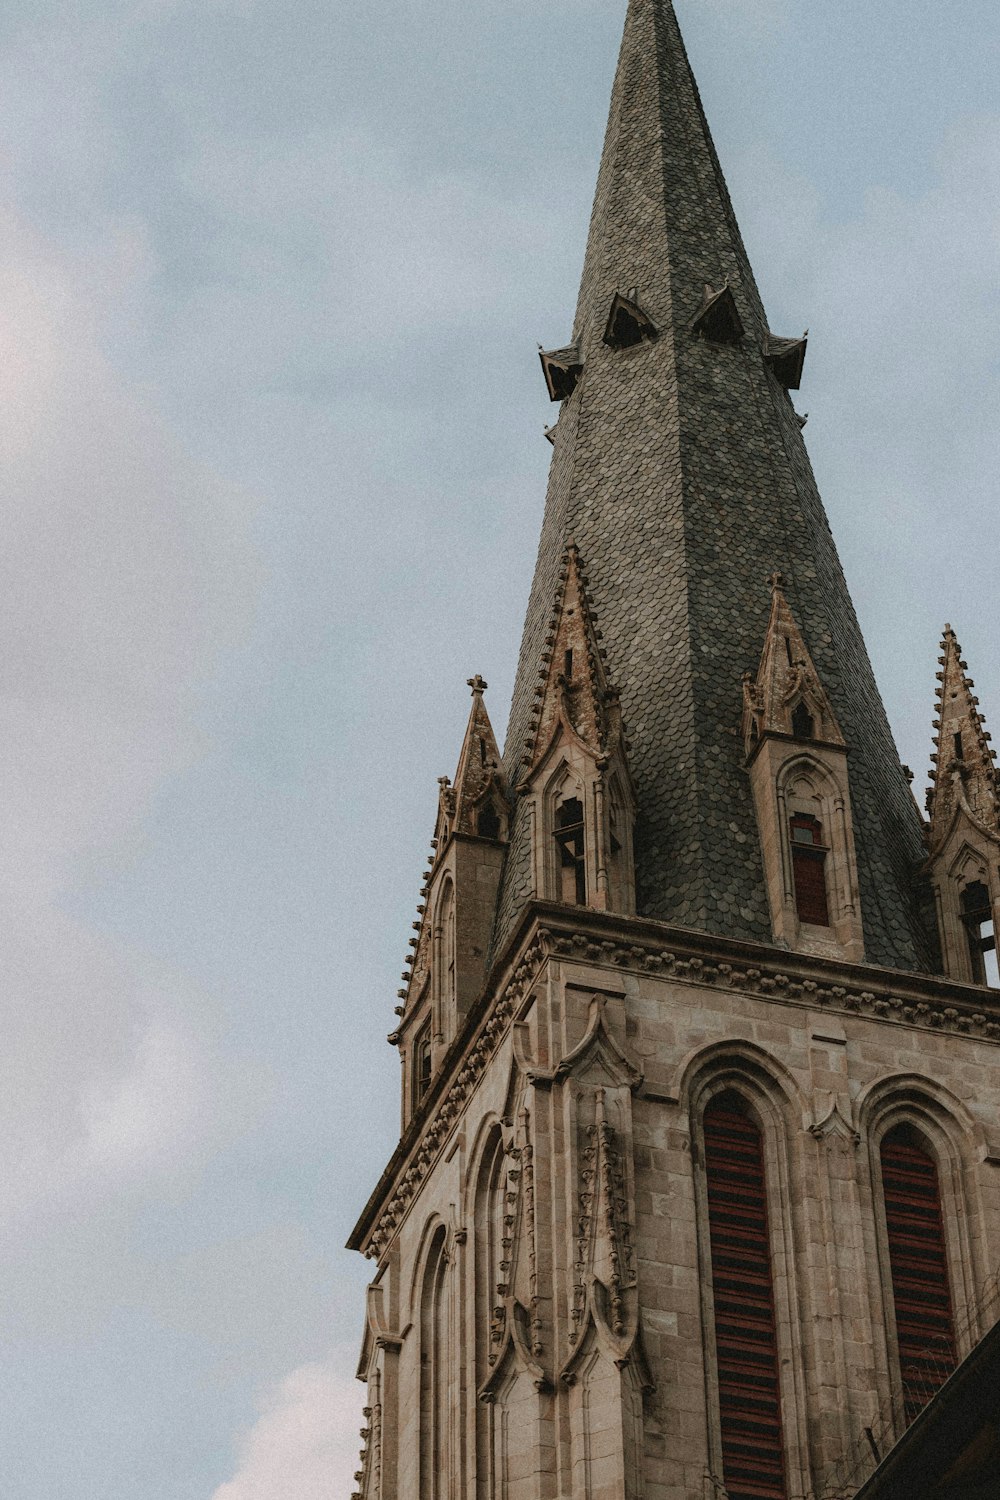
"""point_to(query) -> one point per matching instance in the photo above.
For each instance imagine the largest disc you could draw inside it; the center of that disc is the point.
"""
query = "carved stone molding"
(884, 996)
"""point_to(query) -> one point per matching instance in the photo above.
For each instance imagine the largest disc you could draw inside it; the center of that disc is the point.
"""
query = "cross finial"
(777, 581)
(478, 685)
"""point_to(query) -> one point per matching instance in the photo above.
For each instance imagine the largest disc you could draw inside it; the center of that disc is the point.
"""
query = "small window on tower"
(803, 725)
(488, 822)
(809, 866)
(422, 1065)
(572, 852)
(977, 914)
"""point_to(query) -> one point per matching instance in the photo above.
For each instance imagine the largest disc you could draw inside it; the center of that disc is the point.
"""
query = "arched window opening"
(422, 1064)
(803, 724)
(809, 869)
(572, 852)
(446, 926)
(490, 1255)
(921, 1289)
(743, 1291)
(488, 822)
(977, 914)
(434, 1374)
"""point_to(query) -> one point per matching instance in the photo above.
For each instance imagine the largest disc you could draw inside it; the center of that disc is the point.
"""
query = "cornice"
(640, 945)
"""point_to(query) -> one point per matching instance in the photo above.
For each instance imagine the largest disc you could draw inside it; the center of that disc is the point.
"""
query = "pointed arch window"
(809, 852)
(422, 1068)
(491, 1267)
(918, 1260)
(743, 1296)
(434, 1383)
(572, 853)
(977, 914)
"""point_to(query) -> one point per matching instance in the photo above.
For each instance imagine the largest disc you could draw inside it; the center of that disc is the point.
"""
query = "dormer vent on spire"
(787, 358)
(964, 834)
(628, 325)
(718, 318)
(562, 369)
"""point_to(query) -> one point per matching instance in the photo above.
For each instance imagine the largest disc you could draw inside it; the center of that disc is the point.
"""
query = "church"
(697, 1195)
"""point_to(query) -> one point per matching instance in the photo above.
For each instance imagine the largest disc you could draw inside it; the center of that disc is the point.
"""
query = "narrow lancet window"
(434, 1374)
(925, 1329)
(422, 1064)
(743, 1292)
(977, 914)
(809, 869)
(572, 852)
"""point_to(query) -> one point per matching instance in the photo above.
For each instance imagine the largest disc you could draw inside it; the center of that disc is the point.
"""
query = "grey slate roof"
(681, 474)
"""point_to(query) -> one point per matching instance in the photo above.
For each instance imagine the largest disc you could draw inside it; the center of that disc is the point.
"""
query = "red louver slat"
(925, 1328)
(746, 1341)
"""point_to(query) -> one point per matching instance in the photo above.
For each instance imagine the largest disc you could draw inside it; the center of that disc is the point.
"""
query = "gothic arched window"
(918, 1261)
(977, 914)
(809, 853)
(743, 1296)
(422, 1069)
(434, 1373)
(572, 852)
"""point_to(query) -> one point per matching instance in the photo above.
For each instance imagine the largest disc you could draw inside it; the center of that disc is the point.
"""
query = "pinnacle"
(786, 697)
(963, 761)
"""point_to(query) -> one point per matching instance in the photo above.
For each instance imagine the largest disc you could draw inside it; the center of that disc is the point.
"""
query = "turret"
(458, 901)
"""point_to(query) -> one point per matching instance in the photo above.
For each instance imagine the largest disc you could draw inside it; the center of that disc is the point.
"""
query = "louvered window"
(809, 865)
(746, 1340)
(925, 1329)
(977, 914)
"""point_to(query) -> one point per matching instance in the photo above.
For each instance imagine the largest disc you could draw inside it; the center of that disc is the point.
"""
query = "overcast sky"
(272, 277)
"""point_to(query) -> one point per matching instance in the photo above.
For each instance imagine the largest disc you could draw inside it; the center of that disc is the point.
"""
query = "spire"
(476, 804)
(964, 775)
(680, 471)
(787, 697)
(573, 695)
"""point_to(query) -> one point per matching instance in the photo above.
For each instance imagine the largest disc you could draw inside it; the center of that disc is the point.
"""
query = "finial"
(478, 685)
(776, 582)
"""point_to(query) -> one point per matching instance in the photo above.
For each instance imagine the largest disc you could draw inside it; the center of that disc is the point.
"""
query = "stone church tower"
(698, 1189)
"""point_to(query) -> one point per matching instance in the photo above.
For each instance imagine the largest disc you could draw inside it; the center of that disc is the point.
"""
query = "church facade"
(698, 1188)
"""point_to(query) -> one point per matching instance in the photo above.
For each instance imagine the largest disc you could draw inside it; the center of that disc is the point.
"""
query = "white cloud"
(125, 572)
(305, 1444)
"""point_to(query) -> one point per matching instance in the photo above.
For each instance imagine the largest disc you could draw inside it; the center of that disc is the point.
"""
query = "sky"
(272, 281)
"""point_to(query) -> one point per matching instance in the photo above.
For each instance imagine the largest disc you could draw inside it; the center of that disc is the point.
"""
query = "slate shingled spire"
(680, 472)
